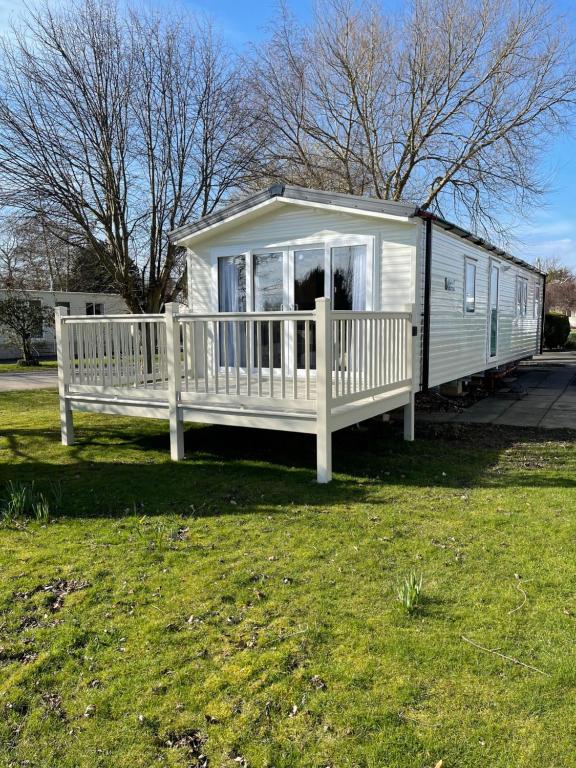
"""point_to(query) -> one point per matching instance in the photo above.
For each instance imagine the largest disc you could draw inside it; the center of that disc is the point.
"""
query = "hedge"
(556, 330)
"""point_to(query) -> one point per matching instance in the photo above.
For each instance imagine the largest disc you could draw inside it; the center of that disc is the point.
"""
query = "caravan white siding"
(395, 249)
(459, 341)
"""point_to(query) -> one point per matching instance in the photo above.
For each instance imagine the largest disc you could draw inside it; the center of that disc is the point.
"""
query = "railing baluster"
(259, 351)
(271, 358)
(282, 360)
(226, 372)
(205, 357)
(307, 356)
(365, 363)
(294, 359)
(237, 354)
(249, 326)
(215, 346)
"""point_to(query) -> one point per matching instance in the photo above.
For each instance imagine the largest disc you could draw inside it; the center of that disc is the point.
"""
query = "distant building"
(76, 302)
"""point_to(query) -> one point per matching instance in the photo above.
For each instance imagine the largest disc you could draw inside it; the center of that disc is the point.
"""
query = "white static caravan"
(74, 302)
(308, 311)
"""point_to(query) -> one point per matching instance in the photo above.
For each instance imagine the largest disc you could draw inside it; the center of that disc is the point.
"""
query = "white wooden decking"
(323, 371)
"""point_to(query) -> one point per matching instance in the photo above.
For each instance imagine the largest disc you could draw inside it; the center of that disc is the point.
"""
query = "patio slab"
(550, 402)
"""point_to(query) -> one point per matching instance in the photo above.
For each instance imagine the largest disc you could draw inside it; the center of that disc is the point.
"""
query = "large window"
(521, 296)
(349, 277)
(470, 286)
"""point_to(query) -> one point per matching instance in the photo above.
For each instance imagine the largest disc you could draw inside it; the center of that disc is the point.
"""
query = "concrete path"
(31, 380)
(549, 379)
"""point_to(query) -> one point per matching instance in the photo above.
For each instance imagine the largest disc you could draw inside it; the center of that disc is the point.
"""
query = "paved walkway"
(30, 380)
(550, 381)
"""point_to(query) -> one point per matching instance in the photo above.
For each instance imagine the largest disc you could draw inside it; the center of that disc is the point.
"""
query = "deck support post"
(174, 376)
(323, 391)
(409, 419)
(63, 354)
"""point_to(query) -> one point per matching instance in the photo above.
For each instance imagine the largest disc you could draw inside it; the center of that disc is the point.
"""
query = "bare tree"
(126, 125)
(560, 285)
(36, 253)
(449, 104)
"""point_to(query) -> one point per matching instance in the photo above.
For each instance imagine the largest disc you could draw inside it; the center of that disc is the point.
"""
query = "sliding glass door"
(277, 280)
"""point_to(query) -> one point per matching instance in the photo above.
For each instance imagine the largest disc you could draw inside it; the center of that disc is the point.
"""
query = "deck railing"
(269, 355)
(276, 358)
(372, 353)
(116, 351)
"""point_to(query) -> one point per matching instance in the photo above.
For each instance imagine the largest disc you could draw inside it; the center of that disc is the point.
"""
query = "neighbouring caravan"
(74, 302)
(309, 311)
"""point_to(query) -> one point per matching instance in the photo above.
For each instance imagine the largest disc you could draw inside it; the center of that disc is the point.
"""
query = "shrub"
(410, 591)
(556, 330)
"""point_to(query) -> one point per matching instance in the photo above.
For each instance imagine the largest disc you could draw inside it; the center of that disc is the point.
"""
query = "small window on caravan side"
(521, 296)
(469, 286)
(537, 300)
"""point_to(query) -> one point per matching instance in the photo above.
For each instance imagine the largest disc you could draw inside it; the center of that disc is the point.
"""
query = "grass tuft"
(410, 591)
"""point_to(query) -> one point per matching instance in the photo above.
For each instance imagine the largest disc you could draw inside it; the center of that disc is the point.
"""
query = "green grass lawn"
(229, 607)
(14, 368)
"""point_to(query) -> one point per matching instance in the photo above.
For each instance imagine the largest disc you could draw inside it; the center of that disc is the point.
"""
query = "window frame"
(469, 262)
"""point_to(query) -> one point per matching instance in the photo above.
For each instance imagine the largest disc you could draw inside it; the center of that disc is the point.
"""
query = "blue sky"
(549, 230)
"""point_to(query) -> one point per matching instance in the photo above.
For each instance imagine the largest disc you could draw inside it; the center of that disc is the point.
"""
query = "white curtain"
(228, 282)
(229, 300)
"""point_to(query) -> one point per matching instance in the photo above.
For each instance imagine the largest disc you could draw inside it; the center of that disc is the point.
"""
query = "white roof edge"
(274, 202)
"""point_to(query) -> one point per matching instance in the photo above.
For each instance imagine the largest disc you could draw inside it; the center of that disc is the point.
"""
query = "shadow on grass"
(121, 466)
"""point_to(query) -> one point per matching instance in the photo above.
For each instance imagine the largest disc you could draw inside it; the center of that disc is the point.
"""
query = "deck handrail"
(244, 316)
(127, 318)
